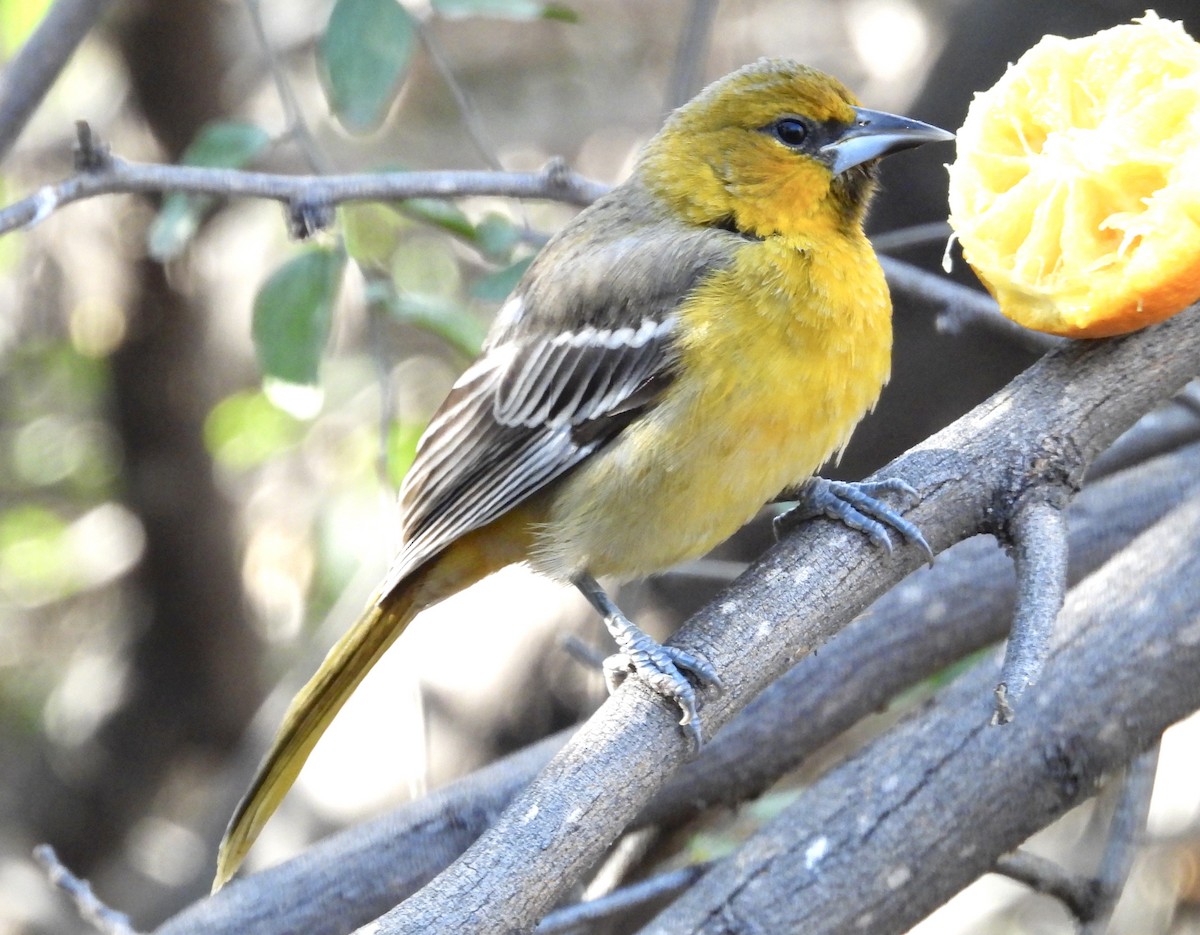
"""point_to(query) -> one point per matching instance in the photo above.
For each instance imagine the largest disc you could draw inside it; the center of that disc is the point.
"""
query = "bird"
(693, 345)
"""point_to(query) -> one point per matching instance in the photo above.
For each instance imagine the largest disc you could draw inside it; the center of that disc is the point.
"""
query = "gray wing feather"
(574, 358)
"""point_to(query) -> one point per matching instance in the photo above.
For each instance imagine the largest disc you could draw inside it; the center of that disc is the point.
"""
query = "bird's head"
(775, 148)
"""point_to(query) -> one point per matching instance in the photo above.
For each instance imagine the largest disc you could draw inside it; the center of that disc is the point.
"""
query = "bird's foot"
(667, 670)
(664, 668)
(856, 505)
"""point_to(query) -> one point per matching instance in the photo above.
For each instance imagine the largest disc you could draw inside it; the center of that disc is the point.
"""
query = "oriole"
(700, 339)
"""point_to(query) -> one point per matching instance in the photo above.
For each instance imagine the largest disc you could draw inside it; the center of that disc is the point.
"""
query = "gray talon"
(857, 506)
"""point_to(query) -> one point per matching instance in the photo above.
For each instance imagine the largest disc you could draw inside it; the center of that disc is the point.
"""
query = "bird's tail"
(309, 714)
(469, 559)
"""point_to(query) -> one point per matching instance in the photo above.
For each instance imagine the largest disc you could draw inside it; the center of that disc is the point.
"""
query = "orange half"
(1076, 188)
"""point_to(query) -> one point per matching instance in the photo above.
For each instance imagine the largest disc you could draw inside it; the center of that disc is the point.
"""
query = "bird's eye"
(790, 131)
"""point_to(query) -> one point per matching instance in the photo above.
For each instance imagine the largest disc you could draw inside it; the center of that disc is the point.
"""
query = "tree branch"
(1038, 530)
(300, 193)
(32, 71)
(880, 841)
(1128, 823)
(1048, 423)
(936, 617)
(90, 908)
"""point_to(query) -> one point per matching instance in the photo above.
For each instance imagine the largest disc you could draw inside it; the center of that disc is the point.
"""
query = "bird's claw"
(857, 505)
(666, 670)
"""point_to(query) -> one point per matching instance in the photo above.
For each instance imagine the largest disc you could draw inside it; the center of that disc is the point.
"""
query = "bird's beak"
(874, 134)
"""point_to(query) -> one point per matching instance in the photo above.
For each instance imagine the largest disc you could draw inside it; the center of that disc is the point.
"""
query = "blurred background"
(180, 541)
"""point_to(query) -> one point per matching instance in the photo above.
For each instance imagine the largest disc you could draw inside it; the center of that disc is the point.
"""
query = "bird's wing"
(567, 366)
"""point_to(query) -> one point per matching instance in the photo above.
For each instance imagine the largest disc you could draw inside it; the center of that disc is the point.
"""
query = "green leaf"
(444, 214)
(244, 430)
(447, 319)
(496, 236)
(372, 232)
(425, 266)
(293, 312)
(495, 287)
(402, 438)
(220, 145)
(505, 9)
(362, 59)
(226, 145)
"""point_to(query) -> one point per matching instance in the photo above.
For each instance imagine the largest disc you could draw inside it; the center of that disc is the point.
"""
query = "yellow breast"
(781, 356)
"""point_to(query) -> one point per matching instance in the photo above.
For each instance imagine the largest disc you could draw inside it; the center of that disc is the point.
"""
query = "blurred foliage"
(245, 430)
(17, 20)
(293, 313)
(220, 145)
(363, 58)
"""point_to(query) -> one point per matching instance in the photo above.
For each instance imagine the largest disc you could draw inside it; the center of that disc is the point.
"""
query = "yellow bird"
(693, 344)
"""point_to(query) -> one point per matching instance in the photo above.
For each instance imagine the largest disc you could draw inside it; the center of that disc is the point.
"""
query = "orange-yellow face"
(776, 148)
(748, 152)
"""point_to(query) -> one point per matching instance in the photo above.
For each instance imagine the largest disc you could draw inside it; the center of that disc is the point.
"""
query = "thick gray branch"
(935, 617)
(1045, 426)
(879, 842)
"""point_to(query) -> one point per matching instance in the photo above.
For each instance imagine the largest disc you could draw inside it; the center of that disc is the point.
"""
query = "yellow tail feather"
(309, 714)
(410, 589)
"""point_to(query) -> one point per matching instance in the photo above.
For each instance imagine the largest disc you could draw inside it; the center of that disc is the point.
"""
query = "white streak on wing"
(497, 358)
(510, 313)
(618, 338)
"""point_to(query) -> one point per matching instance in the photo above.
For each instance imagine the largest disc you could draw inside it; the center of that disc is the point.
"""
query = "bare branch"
(298, 192)
(1045, 876)
(293, 113)
(1039, 542)
(1128, 823)
(936, 617)
(692, 52)
(1166, 428)
(32, 71)
(961, 305)
(916, 235)
(472, 121)
(612, 906)
(87, 904)
(1062, 411)
(880, 841)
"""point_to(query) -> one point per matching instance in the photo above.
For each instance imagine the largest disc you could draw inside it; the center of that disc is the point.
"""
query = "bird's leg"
(663, 668)
(857, 506)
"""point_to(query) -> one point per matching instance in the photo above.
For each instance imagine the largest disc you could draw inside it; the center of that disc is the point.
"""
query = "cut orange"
(1076, 191)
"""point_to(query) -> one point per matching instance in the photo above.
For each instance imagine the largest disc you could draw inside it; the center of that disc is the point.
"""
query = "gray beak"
(874, 134)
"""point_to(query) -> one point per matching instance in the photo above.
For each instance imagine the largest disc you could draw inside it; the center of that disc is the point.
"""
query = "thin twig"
(377, 315)
(33, 70)
(1039, 543)
(87, 904)
(299, 192)
(692, 52)
(293, 114)
(1045, 876)
(1124, 834)
(960, 305)
(916, 235)
(665, 886)
(472, 121)
(629, 851)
